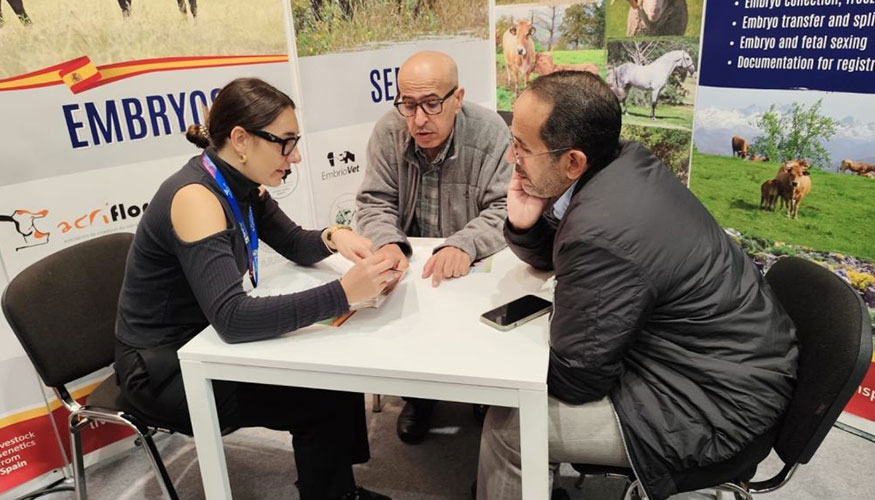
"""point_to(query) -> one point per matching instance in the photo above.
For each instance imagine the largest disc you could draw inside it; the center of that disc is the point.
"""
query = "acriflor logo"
(24, 222)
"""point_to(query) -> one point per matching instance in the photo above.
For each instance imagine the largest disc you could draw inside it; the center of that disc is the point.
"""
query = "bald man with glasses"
(435, 169)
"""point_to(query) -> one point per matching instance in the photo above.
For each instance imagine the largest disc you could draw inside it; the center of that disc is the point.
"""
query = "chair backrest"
(835, 349)
(63, 308)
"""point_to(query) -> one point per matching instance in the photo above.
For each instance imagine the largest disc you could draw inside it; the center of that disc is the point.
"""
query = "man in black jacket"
(669, 351)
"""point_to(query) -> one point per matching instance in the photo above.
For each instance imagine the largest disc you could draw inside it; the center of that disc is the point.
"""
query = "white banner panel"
(344, 89)
(294, 195)
(95, 100)
(337, 163)
(123, 122)
(51, 214)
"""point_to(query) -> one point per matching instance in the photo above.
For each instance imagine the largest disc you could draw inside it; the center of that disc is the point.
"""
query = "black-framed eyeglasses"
(429, 105)
(286, 145)
(518, 157)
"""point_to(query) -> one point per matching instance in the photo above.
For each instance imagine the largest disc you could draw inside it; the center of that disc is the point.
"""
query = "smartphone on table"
(516, 312)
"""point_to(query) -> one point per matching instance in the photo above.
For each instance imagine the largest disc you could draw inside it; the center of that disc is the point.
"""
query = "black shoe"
(414, 421)
(560, 494)
(362, 494)
(479, 412)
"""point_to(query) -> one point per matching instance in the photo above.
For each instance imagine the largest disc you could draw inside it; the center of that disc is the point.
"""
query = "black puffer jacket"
(658, 308)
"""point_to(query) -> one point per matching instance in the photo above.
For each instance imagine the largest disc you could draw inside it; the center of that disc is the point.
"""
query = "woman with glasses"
(196, 246)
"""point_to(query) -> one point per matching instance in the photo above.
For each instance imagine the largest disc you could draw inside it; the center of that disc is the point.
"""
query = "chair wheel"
(631, 492)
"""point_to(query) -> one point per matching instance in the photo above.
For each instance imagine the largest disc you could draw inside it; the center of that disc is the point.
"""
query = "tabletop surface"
(420, 332)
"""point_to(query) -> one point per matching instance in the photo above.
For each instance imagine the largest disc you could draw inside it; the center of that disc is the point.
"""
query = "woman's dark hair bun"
(197, 135)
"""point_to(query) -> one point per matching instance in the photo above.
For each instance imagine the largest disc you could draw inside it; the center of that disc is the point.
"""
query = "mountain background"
(719, 117)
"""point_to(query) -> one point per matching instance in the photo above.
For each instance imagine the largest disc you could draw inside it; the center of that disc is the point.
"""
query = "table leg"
(533, 444)
(207, 434)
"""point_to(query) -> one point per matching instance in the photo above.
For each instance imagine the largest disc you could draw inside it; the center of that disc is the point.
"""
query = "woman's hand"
(352, 246)
(367, 278)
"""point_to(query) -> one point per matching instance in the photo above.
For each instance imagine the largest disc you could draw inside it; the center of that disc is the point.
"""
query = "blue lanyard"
(249, 237)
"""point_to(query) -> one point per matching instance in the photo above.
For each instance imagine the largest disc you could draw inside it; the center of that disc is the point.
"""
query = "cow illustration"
(25, 225)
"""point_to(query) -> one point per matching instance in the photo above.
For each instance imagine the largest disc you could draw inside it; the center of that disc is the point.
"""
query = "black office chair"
(835, 349)
(63, 311)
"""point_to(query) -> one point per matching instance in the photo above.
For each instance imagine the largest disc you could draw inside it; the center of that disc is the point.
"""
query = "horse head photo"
(656, 17)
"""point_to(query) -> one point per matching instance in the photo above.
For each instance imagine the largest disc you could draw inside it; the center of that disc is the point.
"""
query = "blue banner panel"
(790, 44)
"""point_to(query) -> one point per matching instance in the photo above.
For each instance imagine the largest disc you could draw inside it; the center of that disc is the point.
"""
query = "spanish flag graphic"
(80, 74)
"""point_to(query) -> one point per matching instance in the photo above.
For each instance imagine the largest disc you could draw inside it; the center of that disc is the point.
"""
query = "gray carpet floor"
(261, 466)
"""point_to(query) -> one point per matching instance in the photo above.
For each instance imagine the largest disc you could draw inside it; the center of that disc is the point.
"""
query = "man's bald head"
(432, 78)
(431, 67)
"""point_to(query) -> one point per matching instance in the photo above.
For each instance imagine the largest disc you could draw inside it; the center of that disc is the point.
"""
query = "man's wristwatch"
(328, 234)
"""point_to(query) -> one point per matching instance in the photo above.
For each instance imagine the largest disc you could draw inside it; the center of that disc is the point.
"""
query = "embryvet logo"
(341, 164)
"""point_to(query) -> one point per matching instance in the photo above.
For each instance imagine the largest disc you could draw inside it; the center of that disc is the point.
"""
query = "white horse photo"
(652, 77)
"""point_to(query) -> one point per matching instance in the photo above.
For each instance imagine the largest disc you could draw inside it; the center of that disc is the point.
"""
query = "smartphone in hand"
(516, 312)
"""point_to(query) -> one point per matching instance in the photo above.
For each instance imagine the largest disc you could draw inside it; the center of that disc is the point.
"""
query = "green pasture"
(836, 216)
(381, 21)
(667, 115)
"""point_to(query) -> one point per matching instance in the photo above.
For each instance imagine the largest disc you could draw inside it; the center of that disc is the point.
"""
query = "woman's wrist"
(328, 235)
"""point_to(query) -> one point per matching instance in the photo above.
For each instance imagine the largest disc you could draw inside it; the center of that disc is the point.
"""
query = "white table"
(424, 342)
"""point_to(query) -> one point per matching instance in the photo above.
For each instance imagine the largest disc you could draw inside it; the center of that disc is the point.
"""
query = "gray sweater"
(473, 183)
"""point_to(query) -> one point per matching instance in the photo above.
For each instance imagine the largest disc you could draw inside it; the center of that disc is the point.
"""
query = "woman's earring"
(243, 158)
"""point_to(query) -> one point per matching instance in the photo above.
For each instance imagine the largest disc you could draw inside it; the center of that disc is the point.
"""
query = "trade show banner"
(349, 54)
(29, 446)
(783, 134)
(862, 405)
(95, 100)
(646, 50)
(653, 67)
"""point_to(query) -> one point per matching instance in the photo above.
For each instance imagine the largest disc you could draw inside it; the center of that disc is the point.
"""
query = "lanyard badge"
(250, 236)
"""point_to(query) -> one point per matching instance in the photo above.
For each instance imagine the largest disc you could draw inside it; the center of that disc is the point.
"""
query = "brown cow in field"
(739, 147)
(759, 158)
(870, 175)
(793, 184)
(857, 167)
(770, 191)
(519, 53)
(544, 65)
